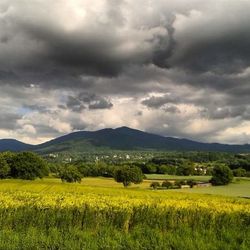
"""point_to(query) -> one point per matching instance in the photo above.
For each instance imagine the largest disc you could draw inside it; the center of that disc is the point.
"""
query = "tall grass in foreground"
(131, 221)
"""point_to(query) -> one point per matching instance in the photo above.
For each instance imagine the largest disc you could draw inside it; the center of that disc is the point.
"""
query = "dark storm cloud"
(159, 101)
(84, 100)
(54, 50)
(213, 41)
(52, 46)
(75, 104)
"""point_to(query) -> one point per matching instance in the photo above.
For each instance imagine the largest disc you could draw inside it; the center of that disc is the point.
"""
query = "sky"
(175, 68)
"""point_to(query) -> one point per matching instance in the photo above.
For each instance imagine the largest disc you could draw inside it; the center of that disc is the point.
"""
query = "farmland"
(101, 214)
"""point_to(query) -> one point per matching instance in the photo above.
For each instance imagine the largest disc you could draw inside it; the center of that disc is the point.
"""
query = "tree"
(128, 175)
(28, 166)
(70, 174)
(167, 184)
(221, 175)
(4, 168)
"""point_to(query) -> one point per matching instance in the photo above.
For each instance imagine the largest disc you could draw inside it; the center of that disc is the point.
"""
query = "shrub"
(155, 185)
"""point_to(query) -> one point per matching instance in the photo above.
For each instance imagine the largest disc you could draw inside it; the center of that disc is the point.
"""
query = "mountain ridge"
(122, 138)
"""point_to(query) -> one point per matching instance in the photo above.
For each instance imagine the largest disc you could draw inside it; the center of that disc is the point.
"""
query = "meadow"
(177, 177)
(240, 187)
(100, 214)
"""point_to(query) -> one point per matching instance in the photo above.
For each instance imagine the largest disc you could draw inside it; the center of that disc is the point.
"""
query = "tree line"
(29, 166)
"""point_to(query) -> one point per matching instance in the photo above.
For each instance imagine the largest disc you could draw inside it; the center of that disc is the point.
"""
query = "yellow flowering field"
(123, 208)
(88, 217)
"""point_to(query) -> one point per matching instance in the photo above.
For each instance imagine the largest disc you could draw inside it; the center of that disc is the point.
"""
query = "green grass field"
(101, 214)
(239, 188)
(176, 177)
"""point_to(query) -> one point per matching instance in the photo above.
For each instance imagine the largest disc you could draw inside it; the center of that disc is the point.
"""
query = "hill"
(13, 145)
(122, 138)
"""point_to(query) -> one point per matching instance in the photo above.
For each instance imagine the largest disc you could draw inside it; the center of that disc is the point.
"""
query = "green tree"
(128, 175)
(70, 173)
(221, 175)
(4, 168)
(167, 184)
(28, 166)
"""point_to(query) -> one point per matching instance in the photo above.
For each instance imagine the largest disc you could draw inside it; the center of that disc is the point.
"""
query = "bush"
(155, 185)
(128, 175)
(70, 174)
(167, 184)
(221, 175)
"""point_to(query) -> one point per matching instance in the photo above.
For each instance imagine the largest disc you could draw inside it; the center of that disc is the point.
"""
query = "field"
(101, 214)
(176, 177)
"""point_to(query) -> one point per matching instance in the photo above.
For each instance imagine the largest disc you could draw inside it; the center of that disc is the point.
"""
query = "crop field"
(100, 214)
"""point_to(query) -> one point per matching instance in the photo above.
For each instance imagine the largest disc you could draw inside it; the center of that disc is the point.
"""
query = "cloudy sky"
(176, 68)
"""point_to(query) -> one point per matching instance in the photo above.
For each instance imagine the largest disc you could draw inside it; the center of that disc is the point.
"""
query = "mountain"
(122, 138)
(13, 145)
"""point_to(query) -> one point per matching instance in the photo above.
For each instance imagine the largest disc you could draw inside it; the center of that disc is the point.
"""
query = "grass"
(176, 177)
